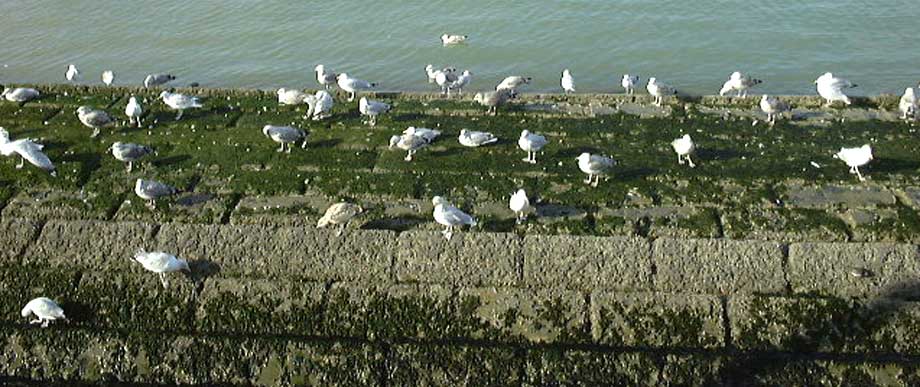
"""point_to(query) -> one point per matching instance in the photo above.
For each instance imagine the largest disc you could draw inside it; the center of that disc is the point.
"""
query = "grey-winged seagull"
(152, 190)
(594, 166)
(449, 216)
(285, 135)
(353, 85)
(134, 111)
(339, 214)
(472, 138)
(27, 150)
(531, 143)
(129, 152)
(831, 88)
(179, 102)
(94, 118)
(45, 311)
(161, 263)
(372, 109)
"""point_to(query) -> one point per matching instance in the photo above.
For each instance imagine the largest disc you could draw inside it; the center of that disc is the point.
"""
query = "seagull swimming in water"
(45, 311)
(629, 83)
(129, 153)
(855, 158)
(594, 166)
(773, 106)
(449, 216)
(151, 190)
(72, 74)
(568, 84)
(323, 77)
(108, 77)
(285, 135)
(520, 205)
(353, 85)
(831, 88)
(134, 111)
(684, 148)
(531, 143)
(27, 150)
(739, 83)
(449, 39)
(659, 90)
(159, 79)
(94, 118)
(339, 214)
(179, 102)
(472, 138)
(908, 104)
(161, 263)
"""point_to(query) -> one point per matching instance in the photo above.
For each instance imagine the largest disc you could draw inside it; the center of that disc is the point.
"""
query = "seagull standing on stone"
(831, 88)
(159, 79)
(449, 40)
(473, 139)
(20, 94)
(27, 150)
(108, 77)
(512, 83)
(772, 106)
(908, 104)
(45, 311)
(684, 148)
(151, 190)
(493, 99)
(427, 134)
(450, 216)
(531, 143)
(285, 135)
(94, 119)
(353, 85)
(179, 102)
(629, 83)
(462, 81)
(339, 214)
(444, 78)
(594, 166)
(129, 153)
(659, 90)
(134, 111)
(568, 84)
(372, 109)
(72, 73)
(855, 158)
(291, 96)
(323, 105)
(520, 205)
(410, 143)
(739, 83)
(161, 263)
(323, 77)
(431, 72)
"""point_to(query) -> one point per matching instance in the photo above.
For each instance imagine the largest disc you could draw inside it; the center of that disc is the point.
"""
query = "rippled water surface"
(692, 45)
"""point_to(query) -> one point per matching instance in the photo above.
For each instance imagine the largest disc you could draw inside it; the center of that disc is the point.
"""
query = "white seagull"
(493, 99)
(45, 311)
(95, 119)
(444, 78)
(431, 72)
(594, 166)
(513, 82)
(134, 111)
(285, 135)
(323, 77)
(450, 216)
(908, 104)
(72, 73)
(772, 106)
(108, 77)
(410, 143)
(448, 39)
(180, 102)
(684, 148)
(531, 143)
(855, 158)
(629, 83)
(159, 79)
(291, 96)
(472, 138)
(568, 84)
(161, 263)
(462, 81)
(426, 134)
(151, 190)
(353, 85)
(129, 153)
(739, 83)
(520, 205)
(831, 88)
(339, 214)
(20, 94)
(27, 150)
(322, 107)
(659, 90)
(372, 109)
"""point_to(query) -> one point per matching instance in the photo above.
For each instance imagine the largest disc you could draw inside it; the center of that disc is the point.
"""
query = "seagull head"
(909, 91)
(394, 141)
(565, 72)
(824, 76)
(319, 68)
(25, 311)
(183, 265)
(83, 110)
(341, 76)
(463, 132)
(867, 149)
(652, 81)
(735, 75)
(265, 130)
(437, 200)
(525, 133)
(467, 73)
(164, 94)
(282, 91)
(583, 156)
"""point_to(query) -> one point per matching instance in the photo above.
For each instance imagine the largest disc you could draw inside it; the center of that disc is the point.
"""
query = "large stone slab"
(91, 245)
(587, 263)
(258, 306)
(532, 315)
(854, 269)
(849, 196)
(474, 259)
(718, 266)
(15, 235)
(553, 367)
(657, 320)
(266, 251)
(417, 311)
(453, 365)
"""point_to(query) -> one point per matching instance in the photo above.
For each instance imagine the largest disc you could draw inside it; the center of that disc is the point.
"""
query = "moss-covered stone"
(454, 365)
(267, 307)
(547, 367)
(657, 320)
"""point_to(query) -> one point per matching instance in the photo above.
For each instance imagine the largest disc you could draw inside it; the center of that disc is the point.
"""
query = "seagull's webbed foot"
(45, 323)
(597, 180)
(22, 163)
(859, 175)
(95, 134)
(680, 160)
(129, 167)
(690, 162)
(340, 230)
(279, 150)
(588, 180)
(36, 321)
(164, 281)
(447, 233)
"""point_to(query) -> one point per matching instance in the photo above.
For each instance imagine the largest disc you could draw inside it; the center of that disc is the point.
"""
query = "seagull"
(855, 158)
(179, 102)
(772, 106)
(532, 143)
(129, 152)
(159, 79)
(372, 109)
(72, 73)
(831, 88)
(448, 40)
(568, 84)
(444, 78)
(339, 214)
(462, 81)
(285, 135)
(629, 83)
(659, 90)
(323, 77)
(493, 99)
(426, 134)
(291, 96)
(353, 85)
(450, 216)
(45, 311)
(410, 143)
(322, 108)
(513, 82)
(108, 77)
(474, 139)
(20, 94)
(94, 119)
(594, 166)
(134, 111)
(27, 150)
(161, 263)
(431, 72)
(739, 83)
(151, 190)
(520, 205)
(908, 104)
(684, 148)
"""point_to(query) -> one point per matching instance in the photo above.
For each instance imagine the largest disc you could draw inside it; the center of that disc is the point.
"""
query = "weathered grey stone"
(828, 373)
(92, 245)
(57, 205)
(453, 365)
(298, 211)
(396, 311)
(60, 354)
(192, 207)
(123, 300)
(910, 196)
(15, 235)
(783, 224)
(467, 259)
(692, 370)
(553, 367)
(264, 251)
(657, 320)
(853, 269)
(587, 263)
(538, 315)
(257, 306)
(718, 266)
(850, 196)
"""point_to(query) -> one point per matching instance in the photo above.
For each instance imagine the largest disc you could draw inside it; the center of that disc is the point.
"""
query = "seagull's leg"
(859, 175)
(179, 116)
(138, 118)
(339, 231)
(22, 162)
(690, 161)
(129, 167)
(288, 148)
(45, 323)
(164, 281)
(36, 321)
(597, 180)
(96, 132)
(279, 150)
(680, 160)
(588, 180)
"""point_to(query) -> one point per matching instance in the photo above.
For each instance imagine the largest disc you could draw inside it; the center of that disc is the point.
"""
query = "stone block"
(473, 259)
(657, 320)
(718, 266)
(587, 263)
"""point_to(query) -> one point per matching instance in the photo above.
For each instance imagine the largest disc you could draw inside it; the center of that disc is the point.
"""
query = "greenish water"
(692, 45)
